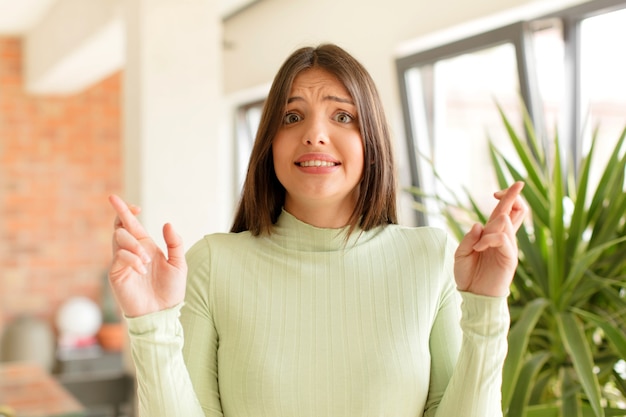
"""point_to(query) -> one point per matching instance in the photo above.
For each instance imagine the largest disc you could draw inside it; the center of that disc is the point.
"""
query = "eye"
(343, 117)
(291, 118)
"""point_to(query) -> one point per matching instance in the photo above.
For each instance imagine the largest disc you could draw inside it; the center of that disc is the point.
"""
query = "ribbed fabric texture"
(305, 322)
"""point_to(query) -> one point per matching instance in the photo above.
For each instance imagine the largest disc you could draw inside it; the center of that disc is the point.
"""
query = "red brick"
(59, 159)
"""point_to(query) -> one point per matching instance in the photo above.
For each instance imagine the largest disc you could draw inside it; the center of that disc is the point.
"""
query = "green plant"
(110, 310)
(567, 302)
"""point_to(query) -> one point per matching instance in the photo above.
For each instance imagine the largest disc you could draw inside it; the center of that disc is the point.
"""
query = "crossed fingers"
(127, 234)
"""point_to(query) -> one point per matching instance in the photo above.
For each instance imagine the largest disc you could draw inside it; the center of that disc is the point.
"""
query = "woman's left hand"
(486, 258)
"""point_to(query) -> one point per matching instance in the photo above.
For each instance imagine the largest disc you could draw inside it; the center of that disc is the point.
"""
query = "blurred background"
(158, 101)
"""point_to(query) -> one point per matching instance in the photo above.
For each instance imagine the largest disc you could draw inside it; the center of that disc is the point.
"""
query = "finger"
(124, 240)
(466, 245)
(500, 224)
(501, 234)
(175, 248)
(127, 218)
(498, 241)
(518, 212)
(507, 199)
(126, 259)
(133, 209)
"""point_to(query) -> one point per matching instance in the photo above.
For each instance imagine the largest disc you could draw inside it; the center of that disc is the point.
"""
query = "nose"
(316, 132)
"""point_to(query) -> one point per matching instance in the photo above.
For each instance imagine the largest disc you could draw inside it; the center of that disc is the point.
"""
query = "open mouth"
(317, 163)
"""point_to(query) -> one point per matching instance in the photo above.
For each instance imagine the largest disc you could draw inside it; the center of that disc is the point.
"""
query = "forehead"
(317, 80)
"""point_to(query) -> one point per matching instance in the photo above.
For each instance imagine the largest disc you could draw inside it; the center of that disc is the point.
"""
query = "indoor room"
(159, 102)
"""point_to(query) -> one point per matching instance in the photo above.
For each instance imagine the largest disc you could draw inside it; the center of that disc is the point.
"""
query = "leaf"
(578, 222)
(556, 268)
(544, 379)
(608, 412)
(497, 161)
(543, 410)
(619, 382)
(536, 197)
(578, 349)
(525, 382)
(581, 265)
(524, 153)
(570, 404)
(612, 333)
(582, 295)
(518, 342)
(527, 284)
(609, 174)
(532, 265)
(610, 217)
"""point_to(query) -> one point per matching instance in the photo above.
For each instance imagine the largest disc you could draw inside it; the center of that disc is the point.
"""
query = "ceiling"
(17, 17)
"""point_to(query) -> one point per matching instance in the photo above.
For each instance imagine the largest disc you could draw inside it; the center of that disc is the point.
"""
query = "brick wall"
(60, 157)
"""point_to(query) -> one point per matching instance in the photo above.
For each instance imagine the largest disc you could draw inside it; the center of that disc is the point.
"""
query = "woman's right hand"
(143, 279)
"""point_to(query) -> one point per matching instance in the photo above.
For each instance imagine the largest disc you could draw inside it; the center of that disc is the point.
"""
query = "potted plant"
(567, 341)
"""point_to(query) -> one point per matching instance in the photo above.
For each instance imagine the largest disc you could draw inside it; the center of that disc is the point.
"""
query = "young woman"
(317, 303)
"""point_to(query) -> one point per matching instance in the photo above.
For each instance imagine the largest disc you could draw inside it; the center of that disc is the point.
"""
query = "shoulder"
(418, 243)
(419, 235)
(212, 254)
(217, 242)
(425, 254)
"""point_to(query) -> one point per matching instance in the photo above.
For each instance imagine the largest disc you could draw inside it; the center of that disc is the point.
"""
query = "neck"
(329, 216)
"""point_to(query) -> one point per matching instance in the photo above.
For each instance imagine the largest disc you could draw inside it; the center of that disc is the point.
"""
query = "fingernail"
(145, 258)
(143, 270)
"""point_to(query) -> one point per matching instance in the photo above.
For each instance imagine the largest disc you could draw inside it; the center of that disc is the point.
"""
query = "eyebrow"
(325, 98)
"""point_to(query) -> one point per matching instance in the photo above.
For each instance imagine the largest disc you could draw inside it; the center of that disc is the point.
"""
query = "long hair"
(263, 195)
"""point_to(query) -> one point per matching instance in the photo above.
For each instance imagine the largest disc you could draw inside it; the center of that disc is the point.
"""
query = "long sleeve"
(164, 387)
(474, 388)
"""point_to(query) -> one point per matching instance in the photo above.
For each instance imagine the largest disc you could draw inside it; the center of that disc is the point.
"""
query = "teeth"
(317, 163)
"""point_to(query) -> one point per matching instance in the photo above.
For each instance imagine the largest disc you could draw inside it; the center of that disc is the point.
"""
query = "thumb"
(175, 248)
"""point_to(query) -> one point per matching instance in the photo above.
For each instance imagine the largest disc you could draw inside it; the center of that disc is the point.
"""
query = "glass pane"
(603, 82)
(464, 118)
(549, 62)
(248, 118)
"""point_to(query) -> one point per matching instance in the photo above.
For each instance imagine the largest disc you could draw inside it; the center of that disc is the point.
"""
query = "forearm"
(474, 389)
(163, 384)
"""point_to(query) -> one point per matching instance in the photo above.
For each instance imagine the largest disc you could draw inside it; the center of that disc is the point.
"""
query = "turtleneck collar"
(294, 234)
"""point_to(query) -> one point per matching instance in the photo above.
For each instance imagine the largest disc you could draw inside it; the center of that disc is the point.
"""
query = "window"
(248, 117)
(458, 113)
(553, 63)
(603, 80)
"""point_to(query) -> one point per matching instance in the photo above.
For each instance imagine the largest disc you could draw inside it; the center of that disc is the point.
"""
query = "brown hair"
(263, 195)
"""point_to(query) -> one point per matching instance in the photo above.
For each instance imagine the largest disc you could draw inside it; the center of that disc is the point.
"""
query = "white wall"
(375, 32)
(256, 41)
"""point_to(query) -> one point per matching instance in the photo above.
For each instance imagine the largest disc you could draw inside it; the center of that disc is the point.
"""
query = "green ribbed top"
(306, 323)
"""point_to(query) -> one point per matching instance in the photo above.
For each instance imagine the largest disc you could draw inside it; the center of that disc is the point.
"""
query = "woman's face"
(318, 150)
